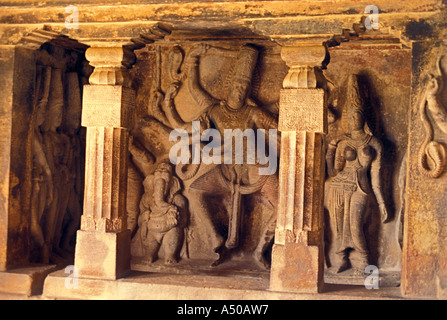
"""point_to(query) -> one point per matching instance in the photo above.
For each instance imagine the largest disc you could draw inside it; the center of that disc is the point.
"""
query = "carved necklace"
(359, 141)
(231, 118)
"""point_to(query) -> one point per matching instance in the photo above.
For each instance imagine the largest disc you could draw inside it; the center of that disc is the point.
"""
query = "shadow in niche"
(217, 206)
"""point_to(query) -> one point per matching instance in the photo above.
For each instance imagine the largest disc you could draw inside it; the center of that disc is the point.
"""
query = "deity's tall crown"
(246, 63)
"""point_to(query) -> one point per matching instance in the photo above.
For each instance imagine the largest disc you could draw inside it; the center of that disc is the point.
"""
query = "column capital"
(303, 99)
(303, 60)
(304, 54)
(111, 63)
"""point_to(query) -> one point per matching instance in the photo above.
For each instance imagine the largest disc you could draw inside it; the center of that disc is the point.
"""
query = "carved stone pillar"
(103, 243)
(297, 257)
(17, 73)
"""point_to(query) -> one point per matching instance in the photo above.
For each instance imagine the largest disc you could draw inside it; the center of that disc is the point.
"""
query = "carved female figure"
(353, 163)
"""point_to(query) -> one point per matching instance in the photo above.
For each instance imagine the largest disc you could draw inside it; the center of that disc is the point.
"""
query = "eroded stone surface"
(149, 79)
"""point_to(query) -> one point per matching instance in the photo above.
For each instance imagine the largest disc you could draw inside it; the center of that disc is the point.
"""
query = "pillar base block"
(27, 281)
(103, 255)
(297, 267)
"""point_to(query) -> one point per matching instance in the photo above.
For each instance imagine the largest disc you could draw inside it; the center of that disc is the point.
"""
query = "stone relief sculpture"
(57, 182)
(163, 213)
(42, 185)
(354, 169)
(432, 155)
(163, 209)
(229, 181)
(238, 111)
(71, 208)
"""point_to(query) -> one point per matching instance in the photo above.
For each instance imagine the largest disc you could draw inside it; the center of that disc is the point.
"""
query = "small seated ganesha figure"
(163, 213)
(354, 165)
